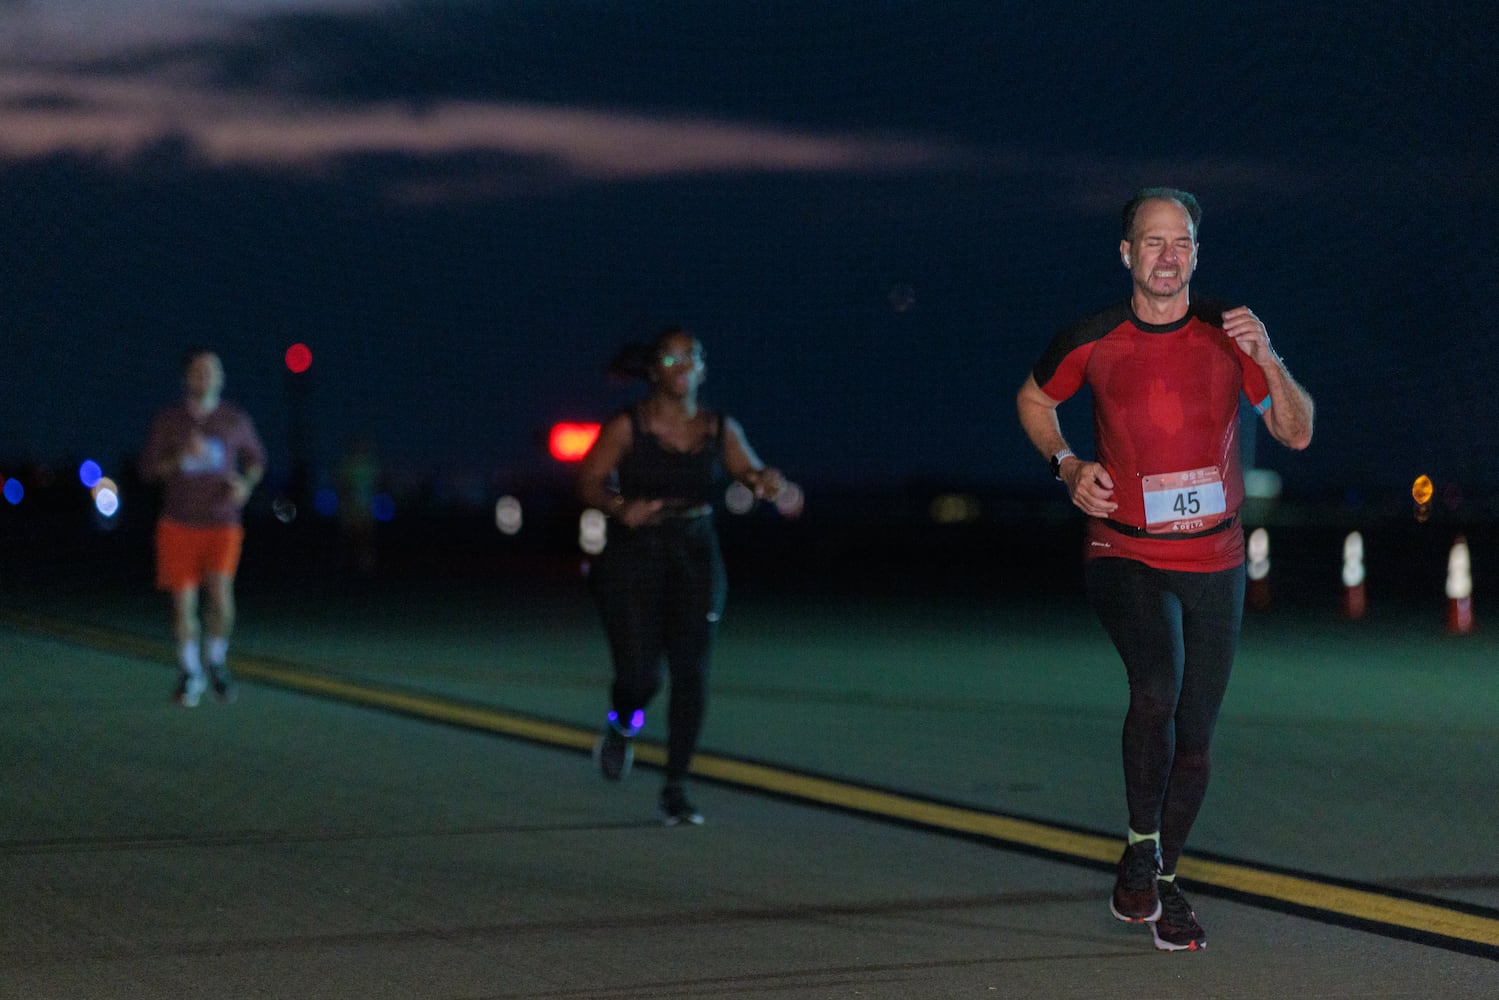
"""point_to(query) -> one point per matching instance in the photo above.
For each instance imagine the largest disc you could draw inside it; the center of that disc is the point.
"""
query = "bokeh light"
(1459, 571)
(902, 297)
(298, 358)
(106, 496)
(955, 508)
(790, 500)
(325, 501)
(383, 507)
(1259, 554)
(1422, 490)
(89, 473)
(14, 491)
(739, 498)
(593, 531)
(508, 515)
(569, 442)
(1353, 559)
(1452, 496)
(285, 509)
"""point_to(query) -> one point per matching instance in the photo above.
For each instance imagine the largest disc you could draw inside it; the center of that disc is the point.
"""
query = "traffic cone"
(1355, 603)
(1257, 566)
(1459, 588)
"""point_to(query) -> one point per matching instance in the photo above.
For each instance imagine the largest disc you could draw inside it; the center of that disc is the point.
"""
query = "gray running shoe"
(613, 752)
(676, 809)
(190, 688)
(224, 687)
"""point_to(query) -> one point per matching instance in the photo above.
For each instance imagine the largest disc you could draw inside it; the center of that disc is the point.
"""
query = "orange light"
(298, 358)
(1422, 490)
(570, 442)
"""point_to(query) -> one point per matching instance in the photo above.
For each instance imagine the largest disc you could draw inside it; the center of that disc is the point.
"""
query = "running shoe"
(1177, 928)
(224, 687)
(614, 751)
(1135, 899)
(190, 688)
(676, 809)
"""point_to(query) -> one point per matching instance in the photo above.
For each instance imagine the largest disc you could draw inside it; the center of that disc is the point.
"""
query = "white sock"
(187, 656)
(1135, 838)
(218, 650)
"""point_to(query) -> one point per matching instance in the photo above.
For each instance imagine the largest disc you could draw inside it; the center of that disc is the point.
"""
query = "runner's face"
(204, 377)
(1163, 253)
(679, 366)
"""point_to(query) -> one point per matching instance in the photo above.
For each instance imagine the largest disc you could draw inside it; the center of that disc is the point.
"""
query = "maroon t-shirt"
(1166, 426)
(198, 491)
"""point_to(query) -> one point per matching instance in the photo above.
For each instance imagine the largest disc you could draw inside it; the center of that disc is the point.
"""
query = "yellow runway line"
(1364, 905)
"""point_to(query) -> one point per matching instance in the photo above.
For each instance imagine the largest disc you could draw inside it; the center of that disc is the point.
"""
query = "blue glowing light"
(325, 501)
(14, 491)
(89, 473)
(382, 507)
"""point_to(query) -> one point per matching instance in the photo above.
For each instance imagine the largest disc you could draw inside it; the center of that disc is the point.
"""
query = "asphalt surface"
(904, 799)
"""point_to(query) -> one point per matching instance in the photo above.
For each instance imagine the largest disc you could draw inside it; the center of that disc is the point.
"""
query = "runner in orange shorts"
(205, 453)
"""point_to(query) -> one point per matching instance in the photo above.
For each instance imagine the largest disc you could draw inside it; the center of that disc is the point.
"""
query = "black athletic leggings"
(660, 590)
(1176, 633)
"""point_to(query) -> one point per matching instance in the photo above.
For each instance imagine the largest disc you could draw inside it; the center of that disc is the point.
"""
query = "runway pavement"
(902, 801)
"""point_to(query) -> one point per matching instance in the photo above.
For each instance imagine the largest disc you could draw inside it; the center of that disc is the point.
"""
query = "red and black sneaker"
(1177, 928)
(1135, 900)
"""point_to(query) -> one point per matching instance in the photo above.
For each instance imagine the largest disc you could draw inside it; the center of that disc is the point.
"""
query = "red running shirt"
(1166, 426)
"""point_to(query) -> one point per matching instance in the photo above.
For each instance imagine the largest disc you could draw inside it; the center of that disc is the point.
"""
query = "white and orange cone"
(1257, 566)
(1355, 602)
(1459, 588)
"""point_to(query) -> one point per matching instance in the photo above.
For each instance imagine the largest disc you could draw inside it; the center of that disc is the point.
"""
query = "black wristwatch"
(1056, 462)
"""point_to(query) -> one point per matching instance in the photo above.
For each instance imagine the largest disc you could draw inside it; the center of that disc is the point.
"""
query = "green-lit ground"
(1360, 752)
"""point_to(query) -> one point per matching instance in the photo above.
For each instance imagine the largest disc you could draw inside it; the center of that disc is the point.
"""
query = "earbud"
(1126, 260)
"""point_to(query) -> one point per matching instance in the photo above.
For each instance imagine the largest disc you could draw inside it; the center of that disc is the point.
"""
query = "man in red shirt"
(205, 453)
(1165, 549)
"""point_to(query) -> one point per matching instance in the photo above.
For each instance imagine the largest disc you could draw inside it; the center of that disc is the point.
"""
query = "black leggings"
(1176, 633)
(660, 591)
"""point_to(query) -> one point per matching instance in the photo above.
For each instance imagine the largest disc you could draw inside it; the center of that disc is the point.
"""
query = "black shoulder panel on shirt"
(1084, 331)
(1210, 310)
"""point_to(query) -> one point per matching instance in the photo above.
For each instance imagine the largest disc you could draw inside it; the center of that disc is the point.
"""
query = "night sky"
(873, 214)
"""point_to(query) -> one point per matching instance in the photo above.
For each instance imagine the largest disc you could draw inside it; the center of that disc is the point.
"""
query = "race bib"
(1184, 501)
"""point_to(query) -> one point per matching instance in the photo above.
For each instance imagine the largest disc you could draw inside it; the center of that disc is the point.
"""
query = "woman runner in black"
(656, 470)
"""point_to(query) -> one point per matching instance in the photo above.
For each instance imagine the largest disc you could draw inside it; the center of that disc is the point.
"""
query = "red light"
(298, 358)
(570, 442)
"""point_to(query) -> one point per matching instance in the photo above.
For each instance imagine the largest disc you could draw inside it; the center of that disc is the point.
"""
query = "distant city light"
(1258, 563)
(791, 500)
(106, 496)
(1459, 571)
(325, 501)
(1353, 559)
(14, 491)
(1422, 490)
(739, 498)
(1262, 484)
(507, 515)
(285, 509)
(89, 473)
(593, 531)
(298, 358)
(955, 508)
(383, 507)
(902, 297)
(569, 442)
